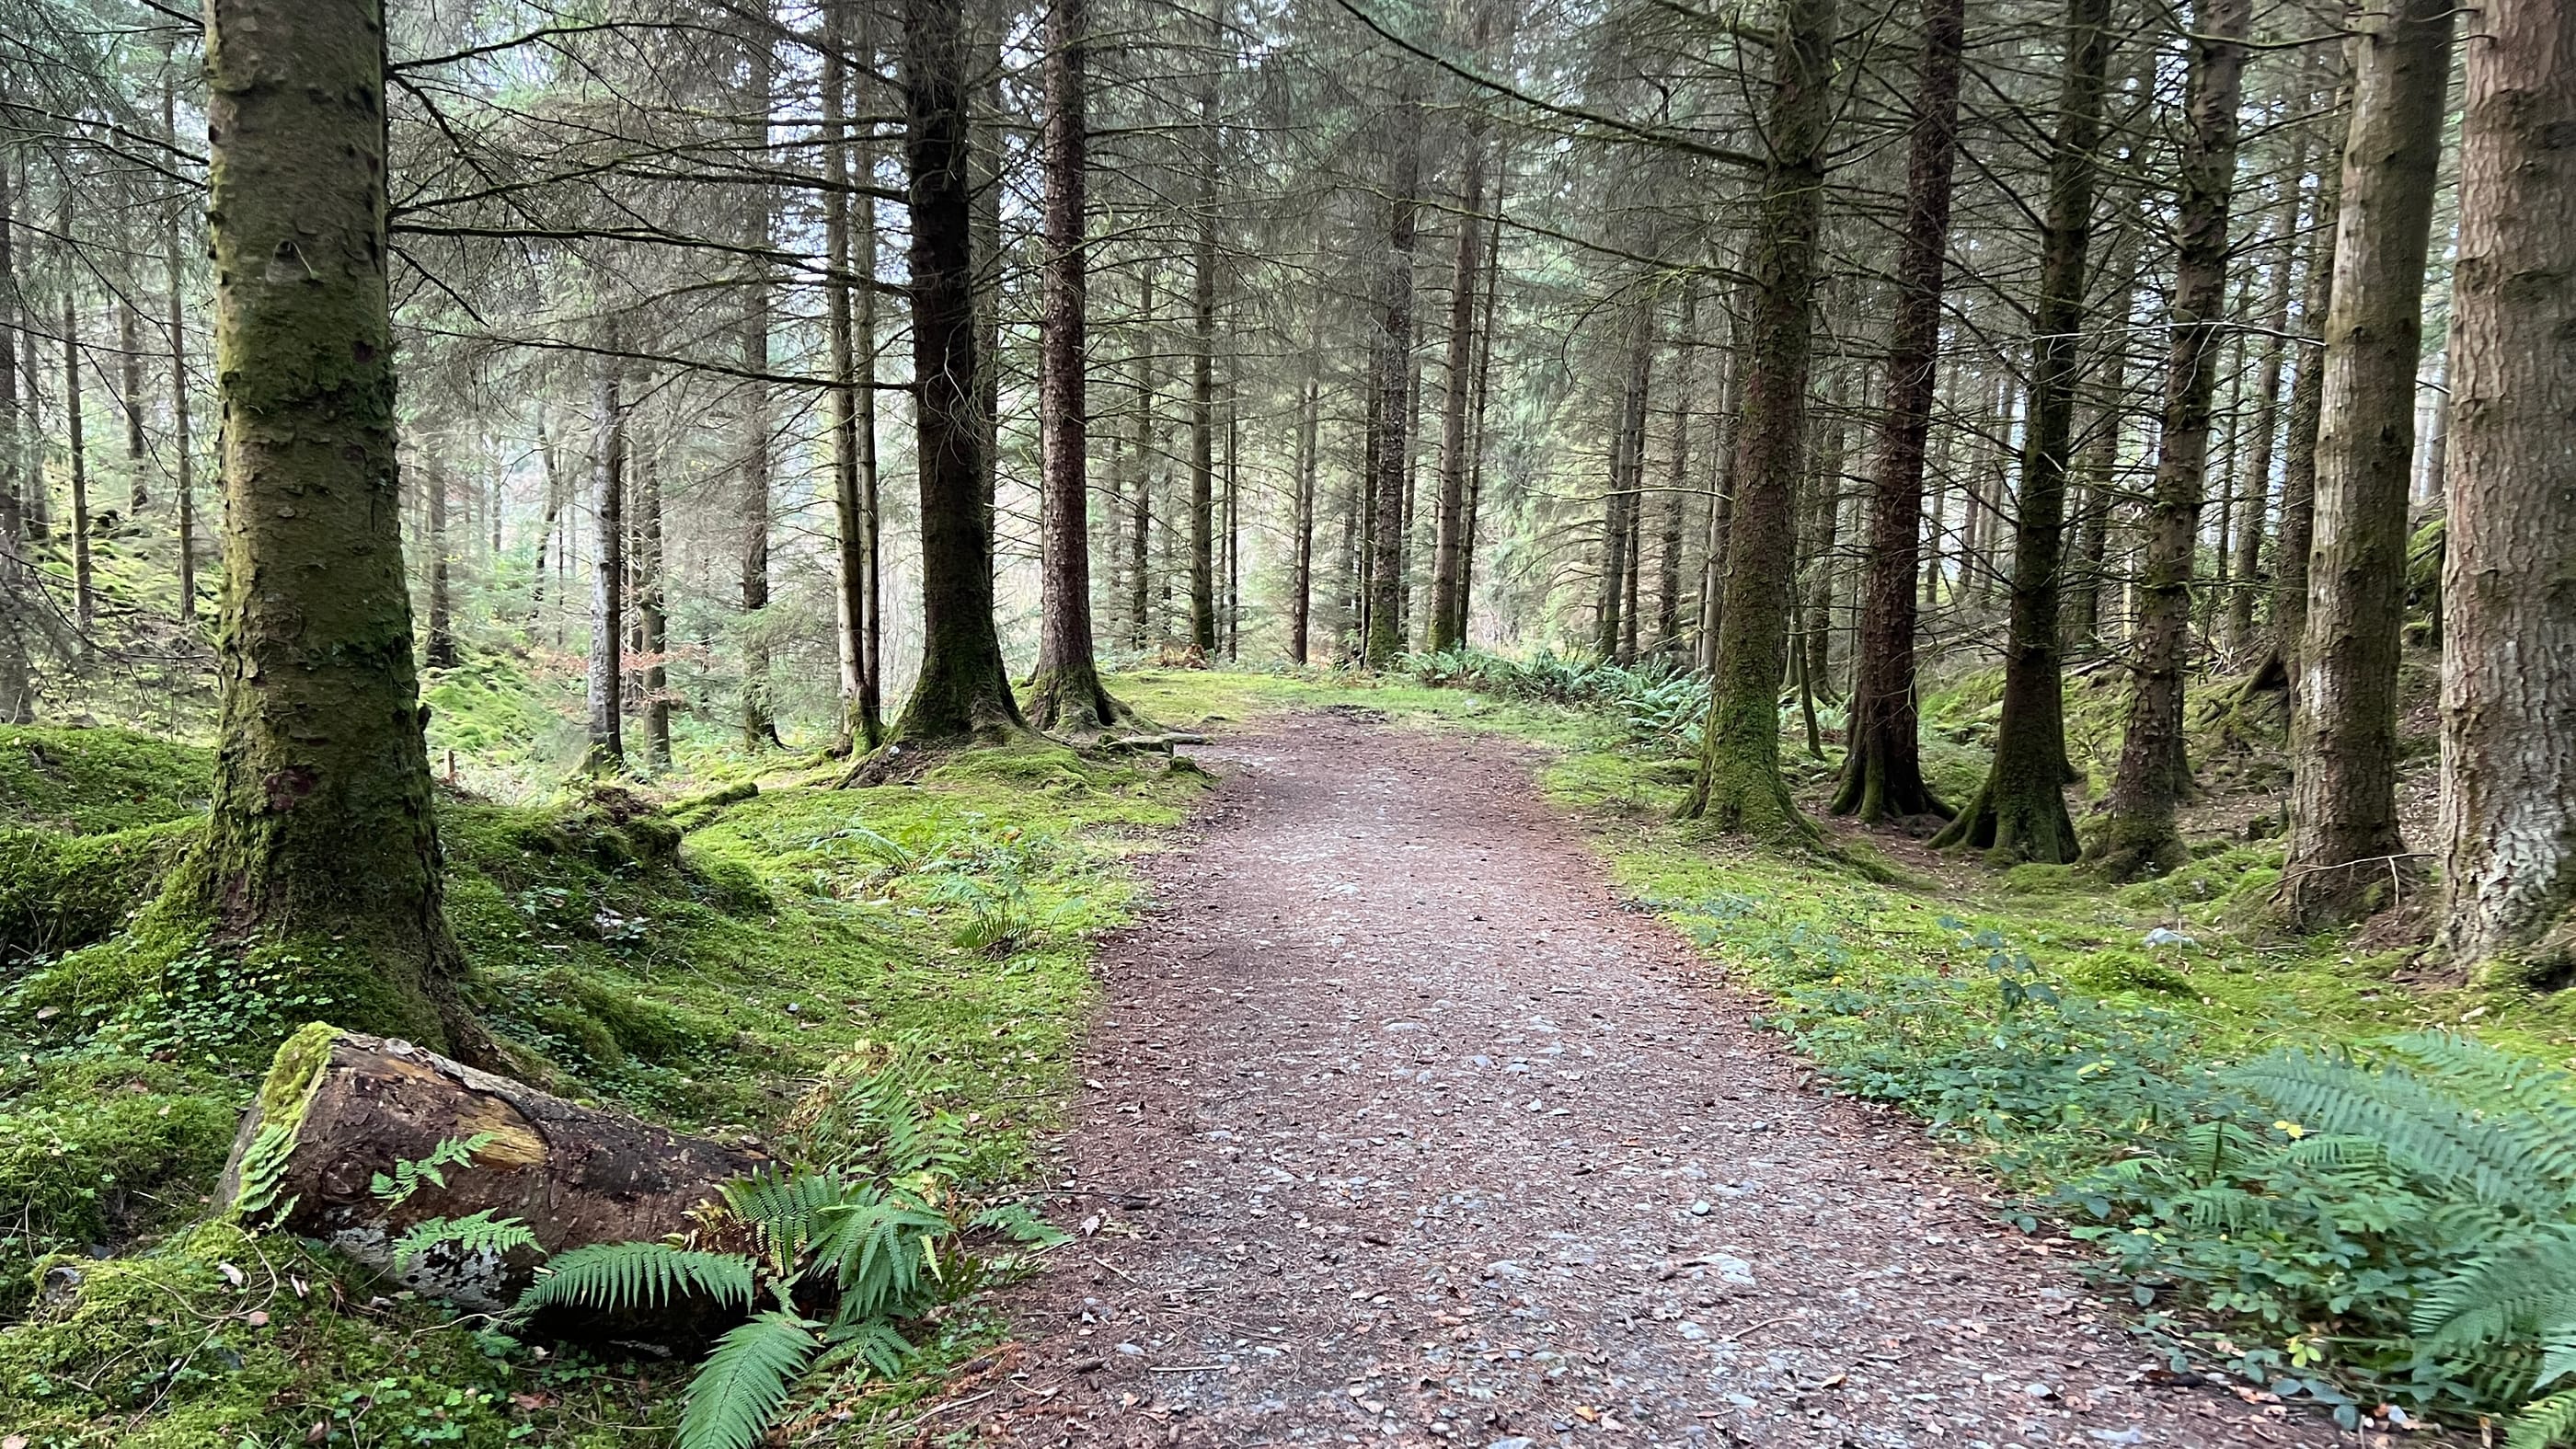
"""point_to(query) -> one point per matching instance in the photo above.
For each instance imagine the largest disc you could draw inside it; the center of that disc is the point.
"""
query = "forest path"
(1398, 1129)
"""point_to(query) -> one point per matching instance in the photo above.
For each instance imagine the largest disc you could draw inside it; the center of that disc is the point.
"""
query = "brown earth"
(1398, 1128)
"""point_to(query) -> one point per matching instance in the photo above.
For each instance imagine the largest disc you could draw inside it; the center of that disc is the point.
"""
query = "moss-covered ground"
(695, 965)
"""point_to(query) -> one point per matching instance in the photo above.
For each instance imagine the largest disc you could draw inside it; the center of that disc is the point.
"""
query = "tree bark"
(351, 1107)
(858, 726)
(962, 693)
(2019, 813)
(2139, 835)
(17, 604)
(1738, 786)
(1619, 500)
(652, 609)
(2344, 840)
(438, 646)
(1464, 595)
(1203, 389)
(1394, 381)
(1882, 763)
(1301, 577)
(322, 832)
(1140, 583)
(605, 679)
(759, 722)
(183, 454)
(1448, 617)
(1066, 693)
(2288, 618)
(76, 444)
(2509, 666)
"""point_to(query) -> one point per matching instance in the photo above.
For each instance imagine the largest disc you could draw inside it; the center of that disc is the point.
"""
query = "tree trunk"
(2019, 813)
(338, 1109)
(963, 692)
(1738, 785)
(75, 438)
(868, 726)
(2509, 669)
(1385, 638)
(2267, 410)
(1067, 693)
(2344, 839)
(1301, 577)
(606, 677)
(652, 611)
(1824, 519)
(438, 647)
(2288, 619)
(1729, 431)
(2139, 835)
(759, 723)
(1233, 505)
(1668, 541)
(858, 727)
(1203, 389)
(1140, 523)
(1464, 595)
(1448, 617)
(1882, 763)
(322, 832)
(1619, 501)
(17, 603)
(183, 455)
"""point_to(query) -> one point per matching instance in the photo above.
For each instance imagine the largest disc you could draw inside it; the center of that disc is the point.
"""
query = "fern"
(474, 1233)
(410, 1177)
(614, 1277)
(741, 1387)
(880, 1348)
(877, 1245)
(2549, 1422)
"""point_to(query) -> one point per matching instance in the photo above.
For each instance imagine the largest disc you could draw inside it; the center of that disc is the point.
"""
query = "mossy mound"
(89, 781)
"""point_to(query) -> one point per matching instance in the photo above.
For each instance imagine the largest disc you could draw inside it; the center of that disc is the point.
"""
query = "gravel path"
(1398, 1129)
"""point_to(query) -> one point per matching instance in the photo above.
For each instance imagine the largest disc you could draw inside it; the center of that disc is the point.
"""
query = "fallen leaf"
(231, 1274)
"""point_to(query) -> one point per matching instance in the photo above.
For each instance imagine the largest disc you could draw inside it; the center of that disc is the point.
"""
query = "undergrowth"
(702, 968)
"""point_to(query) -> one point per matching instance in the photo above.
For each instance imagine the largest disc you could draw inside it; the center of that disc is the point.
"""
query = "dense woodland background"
(2090, 433)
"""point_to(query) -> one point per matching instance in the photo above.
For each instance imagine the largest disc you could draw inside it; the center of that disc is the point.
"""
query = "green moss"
(60, 891)
(98, 779)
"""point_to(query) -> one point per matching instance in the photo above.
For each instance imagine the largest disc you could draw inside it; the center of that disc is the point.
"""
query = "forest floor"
(1400, 1122)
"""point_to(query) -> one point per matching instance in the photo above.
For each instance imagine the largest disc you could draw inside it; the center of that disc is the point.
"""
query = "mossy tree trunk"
(2344, 838)
(183, 457)
(844, 399)
(322, 833)
(1738, 786)
(2139, 835)
(1394, 389)
(962, 692)
(2019, 813)
(1883, 763)
(1066, 693)
(2509, 584)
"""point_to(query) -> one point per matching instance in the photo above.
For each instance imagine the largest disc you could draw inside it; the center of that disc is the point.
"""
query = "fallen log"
(322, 1154)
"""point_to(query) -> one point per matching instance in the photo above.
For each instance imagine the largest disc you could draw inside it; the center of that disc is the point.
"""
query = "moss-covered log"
(338, 1109)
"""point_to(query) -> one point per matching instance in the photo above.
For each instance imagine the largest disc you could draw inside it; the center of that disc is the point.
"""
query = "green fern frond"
(872, 1343)
(739, 1390)
(2518, 1290)
(2545, 1424)
(876, 1245)
(1015, 1222)
(474, 1233)
(613, 1277)
(2525, 1098)
(786, 1210)
(2424, 1129)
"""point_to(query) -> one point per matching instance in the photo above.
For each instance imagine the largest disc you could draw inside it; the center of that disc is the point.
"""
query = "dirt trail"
(1398, 1129)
